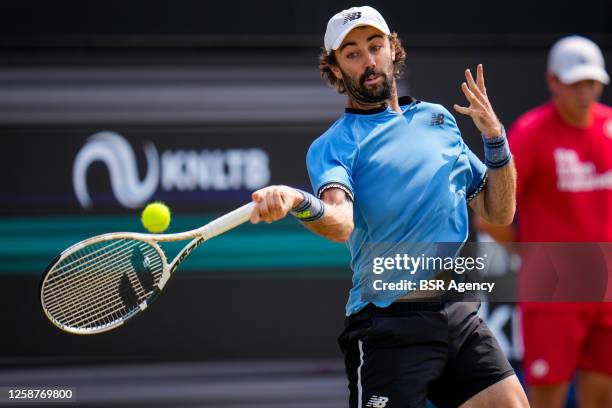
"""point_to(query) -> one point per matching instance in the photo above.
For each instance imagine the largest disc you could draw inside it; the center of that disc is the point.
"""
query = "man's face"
(577, 96)
(365, 60)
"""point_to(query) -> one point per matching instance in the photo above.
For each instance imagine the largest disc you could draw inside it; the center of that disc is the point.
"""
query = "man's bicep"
(338, 197)
(335, 196)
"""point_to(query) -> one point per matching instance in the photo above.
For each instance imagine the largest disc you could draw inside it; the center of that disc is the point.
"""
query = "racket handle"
(228, 221)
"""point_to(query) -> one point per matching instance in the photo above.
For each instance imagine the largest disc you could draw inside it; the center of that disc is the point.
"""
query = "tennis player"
(563, 152)
(396, 170)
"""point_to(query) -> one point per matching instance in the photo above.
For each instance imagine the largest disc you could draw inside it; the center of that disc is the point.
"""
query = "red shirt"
(564, 176)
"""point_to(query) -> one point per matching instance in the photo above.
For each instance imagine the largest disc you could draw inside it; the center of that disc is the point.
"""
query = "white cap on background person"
(342, 23)
(576, 58)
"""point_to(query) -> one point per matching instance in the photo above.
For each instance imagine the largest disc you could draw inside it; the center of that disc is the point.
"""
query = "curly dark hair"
(328, 59)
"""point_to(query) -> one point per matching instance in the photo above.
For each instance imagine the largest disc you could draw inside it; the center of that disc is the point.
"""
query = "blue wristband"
(311, 209)
(496, 151)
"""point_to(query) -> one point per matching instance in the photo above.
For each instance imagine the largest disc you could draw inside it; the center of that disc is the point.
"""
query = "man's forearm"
(336, 224)
(498, 200)
(331, 216)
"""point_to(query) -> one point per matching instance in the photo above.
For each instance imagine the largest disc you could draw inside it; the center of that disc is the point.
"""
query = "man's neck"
(353, 104)
(393, 102)
(578, 118)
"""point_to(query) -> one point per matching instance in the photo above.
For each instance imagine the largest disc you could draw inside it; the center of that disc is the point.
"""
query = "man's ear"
(336, 71)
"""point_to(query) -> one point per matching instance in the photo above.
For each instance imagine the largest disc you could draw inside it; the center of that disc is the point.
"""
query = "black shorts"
(404, 354)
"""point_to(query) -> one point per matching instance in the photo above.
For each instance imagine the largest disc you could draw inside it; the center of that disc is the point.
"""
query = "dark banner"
(92, 170)
(292, 18)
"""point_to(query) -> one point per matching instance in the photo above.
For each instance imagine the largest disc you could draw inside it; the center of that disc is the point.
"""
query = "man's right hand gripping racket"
(99, 283)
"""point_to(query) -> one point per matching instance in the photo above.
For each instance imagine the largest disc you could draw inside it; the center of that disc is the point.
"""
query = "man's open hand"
(480, 109)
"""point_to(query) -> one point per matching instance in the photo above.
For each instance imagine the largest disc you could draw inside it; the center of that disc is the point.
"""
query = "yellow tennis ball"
(156, 217)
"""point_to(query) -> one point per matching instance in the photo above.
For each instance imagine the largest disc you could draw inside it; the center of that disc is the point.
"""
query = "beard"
(376, 95)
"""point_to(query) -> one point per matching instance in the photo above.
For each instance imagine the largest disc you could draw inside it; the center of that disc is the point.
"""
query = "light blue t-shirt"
(410, 175)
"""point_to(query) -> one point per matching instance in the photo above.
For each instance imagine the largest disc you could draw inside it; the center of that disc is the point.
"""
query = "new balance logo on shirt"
(377, 402)
(437, 119)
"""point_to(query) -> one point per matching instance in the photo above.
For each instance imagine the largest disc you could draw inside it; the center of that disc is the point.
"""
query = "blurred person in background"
(563, 156)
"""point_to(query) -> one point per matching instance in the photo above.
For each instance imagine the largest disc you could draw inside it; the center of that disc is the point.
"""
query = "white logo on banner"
(114, 151)
(575, 175)
(180, 170)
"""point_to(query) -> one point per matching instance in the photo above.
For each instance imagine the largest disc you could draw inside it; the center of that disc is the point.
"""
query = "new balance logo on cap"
(377, 402)
(343, 22)
(351, 16)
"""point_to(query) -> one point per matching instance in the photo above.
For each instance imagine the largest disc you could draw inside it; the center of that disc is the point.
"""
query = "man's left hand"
(480, 109)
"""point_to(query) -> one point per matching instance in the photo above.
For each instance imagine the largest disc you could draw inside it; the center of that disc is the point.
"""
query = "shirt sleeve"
(330, 162)
(479, 175)
(477, 168)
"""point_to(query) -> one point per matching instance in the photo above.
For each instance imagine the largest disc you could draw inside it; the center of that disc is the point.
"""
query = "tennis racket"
(99, 283)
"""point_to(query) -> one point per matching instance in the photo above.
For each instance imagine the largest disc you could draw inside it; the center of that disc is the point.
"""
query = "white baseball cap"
(576, 58)
(342, 23)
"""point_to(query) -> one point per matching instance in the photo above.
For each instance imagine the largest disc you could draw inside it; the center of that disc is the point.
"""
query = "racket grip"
(228, 221)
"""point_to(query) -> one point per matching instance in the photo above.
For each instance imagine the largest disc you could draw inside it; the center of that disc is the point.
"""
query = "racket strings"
(107, 299)
(96, 317)
(81, 290)
(70, 282)
(105, 303)
(79, 262)
(105, 282)
(114, 307)
(98, 289)
(89, 285)
(79, 299)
